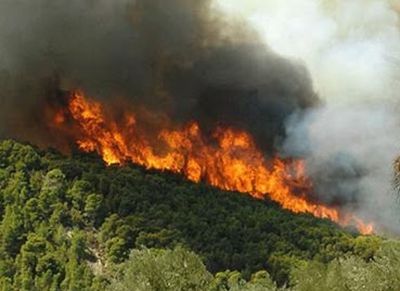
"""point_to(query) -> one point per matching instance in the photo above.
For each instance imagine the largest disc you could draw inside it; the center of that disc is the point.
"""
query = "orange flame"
(230, 162)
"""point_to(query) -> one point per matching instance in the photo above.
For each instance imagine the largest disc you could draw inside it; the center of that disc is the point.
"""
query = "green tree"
(152, 269)
(11, 231)
(53, 189)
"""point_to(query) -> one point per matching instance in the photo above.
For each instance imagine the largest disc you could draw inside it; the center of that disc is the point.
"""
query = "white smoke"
(352, 51)
(351, 48)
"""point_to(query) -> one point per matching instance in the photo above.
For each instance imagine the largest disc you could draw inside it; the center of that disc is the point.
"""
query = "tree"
(233, 281)
(154, 269)
(352, 273)
(11, 231)
(53, 189)
(78, 276)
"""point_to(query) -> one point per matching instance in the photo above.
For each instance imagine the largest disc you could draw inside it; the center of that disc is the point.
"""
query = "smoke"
(180, 58)
(350, 151)
(352, 50)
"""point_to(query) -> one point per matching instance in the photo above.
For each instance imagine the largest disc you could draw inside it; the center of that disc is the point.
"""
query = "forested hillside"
(71, 223)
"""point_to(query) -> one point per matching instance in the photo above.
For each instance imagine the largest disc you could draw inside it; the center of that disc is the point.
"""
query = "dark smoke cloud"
(178, 57)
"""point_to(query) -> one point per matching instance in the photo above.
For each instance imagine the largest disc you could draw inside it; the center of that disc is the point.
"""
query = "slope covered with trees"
(71, 223)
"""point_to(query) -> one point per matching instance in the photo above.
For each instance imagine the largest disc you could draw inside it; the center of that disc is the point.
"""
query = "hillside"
(67, 223)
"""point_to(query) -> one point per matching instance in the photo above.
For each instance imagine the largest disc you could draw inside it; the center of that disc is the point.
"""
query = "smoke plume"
(352, 50)
(180, 58)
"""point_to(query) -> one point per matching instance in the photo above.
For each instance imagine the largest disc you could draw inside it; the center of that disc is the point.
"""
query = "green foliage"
(67, 223)
(366, 246)
(233, 281)
(152, 269)
(12, 231)
(353, 273)
(281, 266)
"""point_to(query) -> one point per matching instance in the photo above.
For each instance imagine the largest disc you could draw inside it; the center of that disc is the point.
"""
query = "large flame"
(230, 161)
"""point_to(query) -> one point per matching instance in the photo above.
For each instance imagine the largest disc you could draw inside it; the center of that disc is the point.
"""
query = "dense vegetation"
(71, 223)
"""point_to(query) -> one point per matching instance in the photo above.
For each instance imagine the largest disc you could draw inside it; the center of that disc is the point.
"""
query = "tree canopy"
(70, 223)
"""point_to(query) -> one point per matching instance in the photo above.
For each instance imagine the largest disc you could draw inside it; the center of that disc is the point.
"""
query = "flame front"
(230, 162)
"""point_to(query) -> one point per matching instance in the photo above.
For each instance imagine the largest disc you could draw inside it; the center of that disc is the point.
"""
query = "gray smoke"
(350, 141)
(178, 57)
(350, 152)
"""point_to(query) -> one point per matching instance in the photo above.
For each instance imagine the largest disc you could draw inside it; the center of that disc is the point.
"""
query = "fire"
(230, 161)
